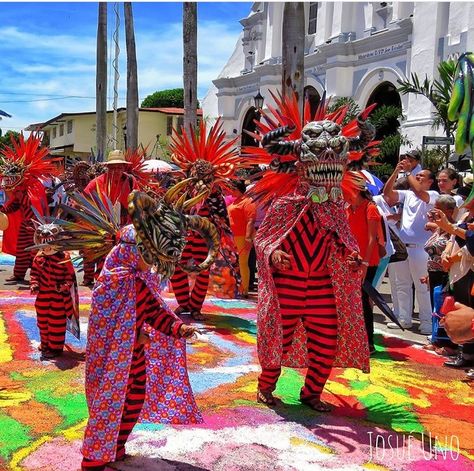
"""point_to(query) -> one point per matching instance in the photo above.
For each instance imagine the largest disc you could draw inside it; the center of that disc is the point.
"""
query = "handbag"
(401, 252)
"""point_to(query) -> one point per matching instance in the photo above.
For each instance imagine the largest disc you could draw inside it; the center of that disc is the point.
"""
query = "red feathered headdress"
(24, 164)
(286, 123)
(199, 149)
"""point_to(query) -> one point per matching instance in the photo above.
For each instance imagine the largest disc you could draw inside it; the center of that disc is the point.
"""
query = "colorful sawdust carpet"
(410, 413)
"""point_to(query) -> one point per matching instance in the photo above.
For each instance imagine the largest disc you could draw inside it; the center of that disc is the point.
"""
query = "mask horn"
(172, 193)
(193, 201)
(179, 204)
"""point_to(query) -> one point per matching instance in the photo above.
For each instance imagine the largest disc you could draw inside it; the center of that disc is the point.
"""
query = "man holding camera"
(417, 202)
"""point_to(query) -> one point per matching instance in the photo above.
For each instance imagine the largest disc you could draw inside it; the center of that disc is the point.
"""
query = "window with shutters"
(313, 17)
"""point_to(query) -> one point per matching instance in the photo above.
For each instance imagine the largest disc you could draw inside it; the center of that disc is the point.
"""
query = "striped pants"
(131, 411)
(51, 308)
(24, 258)
(308, 298)
(196, 250)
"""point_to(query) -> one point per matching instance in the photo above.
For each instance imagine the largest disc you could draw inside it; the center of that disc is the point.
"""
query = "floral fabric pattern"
(110, 343)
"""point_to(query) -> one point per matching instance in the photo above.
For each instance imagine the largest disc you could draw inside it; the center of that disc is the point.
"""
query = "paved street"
(410, 413)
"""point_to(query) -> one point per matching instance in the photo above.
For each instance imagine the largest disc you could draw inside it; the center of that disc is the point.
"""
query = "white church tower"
(357, 49)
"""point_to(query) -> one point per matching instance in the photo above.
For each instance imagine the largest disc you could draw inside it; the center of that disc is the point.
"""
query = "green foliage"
(437, 91)
(172, 98)
(386, 120)
(382, 170)
(165, 99)
(434, 158)
(352, 112)
(5, 138)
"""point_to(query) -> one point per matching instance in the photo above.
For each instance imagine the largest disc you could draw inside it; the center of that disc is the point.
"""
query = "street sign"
(437, 141)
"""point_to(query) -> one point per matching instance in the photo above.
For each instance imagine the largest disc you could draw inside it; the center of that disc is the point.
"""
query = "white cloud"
(60, 44)
(64, 64)
(53, 69)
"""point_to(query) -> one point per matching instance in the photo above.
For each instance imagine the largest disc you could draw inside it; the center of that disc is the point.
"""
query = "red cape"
(352, 345)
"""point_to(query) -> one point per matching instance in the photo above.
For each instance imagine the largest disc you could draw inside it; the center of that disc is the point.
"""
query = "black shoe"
(459, 362)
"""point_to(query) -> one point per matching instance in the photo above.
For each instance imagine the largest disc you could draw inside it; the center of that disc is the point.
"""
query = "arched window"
(312, 95)
(248, 124)
(385, 94)
(387, 123)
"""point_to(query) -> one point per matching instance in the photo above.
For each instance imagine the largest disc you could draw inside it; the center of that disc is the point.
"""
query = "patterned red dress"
(311, 315)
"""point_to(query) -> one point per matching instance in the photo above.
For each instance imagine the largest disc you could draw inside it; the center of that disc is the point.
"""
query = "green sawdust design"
(394, 416)
(289, 386)
(13, 436)
(48, 389)
(231, 322)
(72, 407)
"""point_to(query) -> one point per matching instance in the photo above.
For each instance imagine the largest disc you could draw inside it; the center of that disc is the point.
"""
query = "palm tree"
(190, 63)
(132, 80)
(293, 38)
(101, 81)
(438, 92)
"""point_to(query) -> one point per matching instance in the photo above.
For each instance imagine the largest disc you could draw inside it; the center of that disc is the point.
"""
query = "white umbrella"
(155, 165)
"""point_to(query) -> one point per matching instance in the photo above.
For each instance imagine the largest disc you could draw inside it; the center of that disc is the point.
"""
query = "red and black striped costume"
(190, 300)
(305, 293)
(52, 276)
(160, 319)
(21, 202)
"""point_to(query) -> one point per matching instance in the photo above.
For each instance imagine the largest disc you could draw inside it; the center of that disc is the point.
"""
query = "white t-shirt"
(414, 216)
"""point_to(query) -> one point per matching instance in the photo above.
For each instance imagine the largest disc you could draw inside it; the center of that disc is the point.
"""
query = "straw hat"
(116, 157)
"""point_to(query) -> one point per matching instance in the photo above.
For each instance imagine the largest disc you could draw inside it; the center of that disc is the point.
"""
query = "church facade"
(357, 49)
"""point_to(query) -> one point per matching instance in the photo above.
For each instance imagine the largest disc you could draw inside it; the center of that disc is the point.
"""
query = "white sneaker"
(405, 325)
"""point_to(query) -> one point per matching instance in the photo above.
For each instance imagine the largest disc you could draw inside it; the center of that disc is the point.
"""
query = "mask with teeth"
(11, 175)
(323, 156)
(202, 175)
(46, 234)
(23, 163)
(162, 228)
(309, 149)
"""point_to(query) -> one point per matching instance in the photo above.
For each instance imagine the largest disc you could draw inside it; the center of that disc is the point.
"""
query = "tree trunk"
(132, 80)
(293, 37)
(101, 82)
(190, 63)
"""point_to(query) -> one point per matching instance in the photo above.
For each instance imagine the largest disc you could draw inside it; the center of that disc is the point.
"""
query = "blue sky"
(47, 51)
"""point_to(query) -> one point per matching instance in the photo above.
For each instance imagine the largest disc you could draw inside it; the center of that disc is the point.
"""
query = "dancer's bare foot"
(316, 404)
(197, 315)
(265, 397)
(15, 279)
